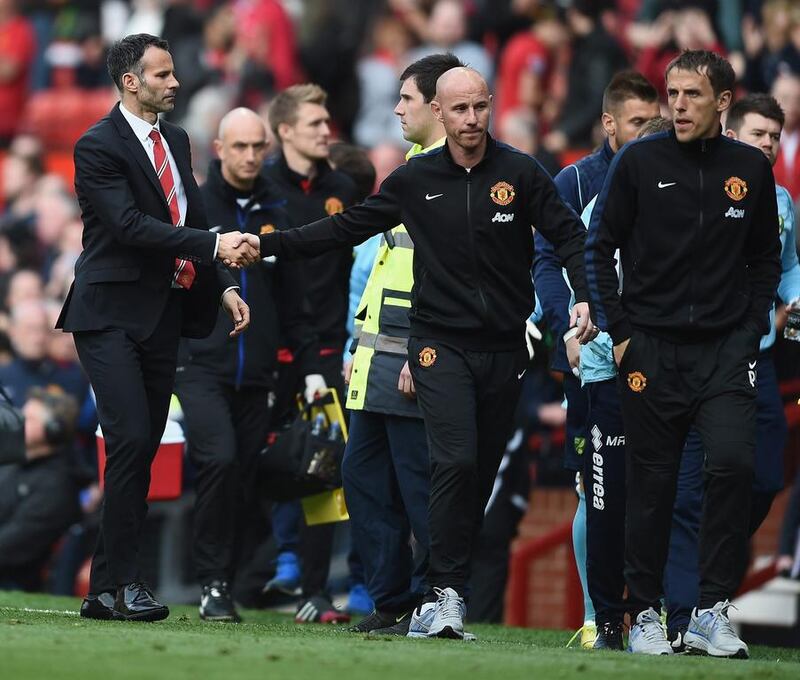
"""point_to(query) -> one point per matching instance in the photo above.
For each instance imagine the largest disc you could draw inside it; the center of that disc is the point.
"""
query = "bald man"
(223, 382)
(469, 207)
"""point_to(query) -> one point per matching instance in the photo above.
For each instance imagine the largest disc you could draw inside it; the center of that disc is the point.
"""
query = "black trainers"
(216, 603)
(319, 609)
(675, 638)
(609, 636)
(398, 627)
(372, 621)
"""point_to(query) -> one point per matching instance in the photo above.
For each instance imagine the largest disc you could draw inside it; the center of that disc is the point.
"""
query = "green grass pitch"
(42, 637)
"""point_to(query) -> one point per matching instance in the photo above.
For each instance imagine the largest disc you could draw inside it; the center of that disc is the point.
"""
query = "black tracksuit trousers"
(467, 399)
(665, 389)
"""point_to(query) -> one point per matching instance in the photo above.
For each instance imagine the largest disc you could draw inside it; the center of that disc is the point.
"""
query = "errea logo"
(737, 213)
(503, 217)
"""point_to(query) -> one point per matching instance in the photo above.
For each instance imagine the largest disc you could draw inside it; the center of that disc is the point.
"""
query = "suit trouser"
(386, 474)
(665, 389)
(132, 382)
(467, 399)
(226, 429)
(681, 584)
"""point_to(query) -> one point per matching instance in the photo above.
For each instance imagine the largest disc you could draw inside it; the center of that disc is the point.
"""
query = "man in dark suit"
(146, 277)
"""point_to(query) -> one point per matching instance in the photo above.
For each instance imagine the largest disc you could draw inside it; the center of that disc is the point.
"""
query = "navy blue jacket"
(577, 184)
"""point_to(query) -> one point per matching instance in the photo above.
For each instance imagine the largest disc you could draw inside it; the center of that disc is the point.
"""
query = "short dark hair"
(627, 85)
(428, 70)
(718, 69)
(760, 103)
(354, 162)
(125, 56)
(653, 126)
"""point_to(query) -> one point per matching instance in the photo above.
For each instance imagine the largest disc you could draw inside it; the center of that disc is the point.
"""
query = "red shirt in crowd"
(18, 47)
(524, 53)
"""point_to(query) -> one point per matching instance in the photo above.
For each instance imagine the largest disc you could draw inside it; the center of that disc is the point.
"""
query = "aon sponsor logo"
(737, 213)
(503, 217)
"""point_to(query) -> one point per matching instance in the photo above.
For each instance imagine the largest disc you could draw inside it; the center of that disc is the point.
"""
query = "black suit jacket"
(123, 276)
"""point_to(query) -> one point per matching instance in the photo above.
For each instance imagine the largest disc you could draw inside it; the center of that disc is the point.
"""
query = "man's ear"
(724, 100)
(218, 147)
(436, 109)
(609, 124)
(130, 82)
(730, 133)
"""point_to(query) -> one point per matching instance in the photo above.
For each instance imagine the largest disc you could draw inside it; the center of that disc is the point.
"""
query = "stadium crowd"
(298, 104)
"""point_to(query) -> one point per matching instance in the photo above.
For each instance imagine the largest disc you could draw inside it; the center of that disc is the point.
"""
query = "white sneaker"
(712, 633)
(647, 635)
(422, 619)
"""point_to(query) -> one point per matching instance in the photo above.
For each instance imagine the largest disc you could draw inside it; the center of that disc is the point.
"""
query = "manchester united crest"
(502, 193)
(637, 381)
(427, 357)
(333, 205)
(267, 229)
(736, 188)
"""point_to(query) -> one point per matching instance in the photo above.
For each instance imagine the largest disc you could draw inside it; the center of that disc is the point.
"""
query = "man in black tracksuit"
(223, 383)
(693, 216)
(469, 207)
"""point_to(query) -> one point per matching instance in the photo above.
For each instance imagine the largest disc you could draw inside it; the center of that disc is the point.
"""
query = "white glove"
(531, 333)
(315, 387)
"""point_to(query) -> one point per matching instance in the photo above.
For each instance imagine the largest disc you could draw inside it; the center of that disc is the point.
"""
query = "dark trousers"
(132, 382)
(467, 400)
(386, 474)
(226, 429)
(604, 485)
(577, 412)
(681, 582)
(666, 389)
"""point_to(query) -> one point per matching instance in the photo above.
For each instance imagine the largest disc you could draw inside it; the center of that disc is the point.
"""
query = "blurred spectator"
(786, 90)
(21, 175)
(24, 285)
(38, 499)
(17, 50)
(527, 64)
(378, 75)
(520, 129)
(596, 56)
(446, 31)
(764, 45)
(672, 33)
(29, 331)
(385, 159)
(355, 163)
(53, 210)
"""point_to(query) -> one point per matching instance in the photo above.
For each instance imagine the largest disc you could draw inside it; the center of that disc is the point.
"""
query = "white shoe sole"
(467, 637)
(696, 644)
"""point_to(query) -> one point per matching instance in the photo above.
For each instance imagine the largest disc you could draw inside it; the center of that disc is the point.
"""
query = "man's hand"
(238, 311)
(579, 318)
(315, 387)
(619, 351)
(574, 355)
(405, 383)
(238, 250)
(347, 371)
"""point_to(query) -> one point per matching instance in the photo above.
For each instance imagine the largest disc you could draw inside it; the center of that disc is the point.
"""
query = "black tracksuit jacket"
(472, 237)
(274, 290)
(697, 228)
(327, 278)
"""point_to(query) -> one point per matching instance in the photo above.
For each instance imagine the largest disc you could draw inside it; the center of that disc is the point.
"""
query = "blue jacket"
(577, 184)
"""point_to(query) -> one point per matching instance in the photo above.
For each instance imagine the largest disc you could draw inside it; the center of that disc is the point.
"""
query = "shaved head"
(460, 79)
(238, 119)
(463, 105)
(241, 145)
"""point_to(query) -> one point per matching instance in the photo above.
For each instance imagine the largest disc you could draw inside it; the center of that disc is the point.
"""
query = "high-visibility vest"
(382, 326)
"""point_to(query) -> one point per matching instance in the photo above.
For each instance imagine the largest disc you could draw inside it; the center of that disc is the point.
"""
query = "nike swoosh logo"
(400, 618)
(751, 364)
(429, 197)
(519, 375)
(664, 185)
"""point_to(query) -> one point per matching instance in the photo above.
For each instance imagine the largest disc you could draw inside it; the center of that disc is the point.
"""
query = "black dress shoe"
(98, 607)
(135, 602)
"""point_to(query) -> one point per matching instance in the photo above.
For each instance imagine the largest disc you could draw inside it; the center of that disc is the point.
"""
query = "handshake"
(238, 250)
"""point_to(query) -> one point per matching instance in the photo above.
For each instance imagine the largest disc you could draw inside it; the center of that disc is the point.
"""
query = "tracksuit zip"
(698, 230)
(476, 271)
(241, 218)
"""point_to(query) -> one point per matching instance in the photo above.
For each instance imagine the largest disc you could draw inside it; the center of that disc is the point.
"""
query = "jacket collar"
(301, 181)
(697, 146)
(491, 147)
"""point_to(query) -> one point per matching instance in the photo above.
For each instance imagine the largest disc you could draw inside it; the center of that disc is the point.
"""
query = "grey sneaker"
(647, 635)
(422, 618)
(712, 633)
